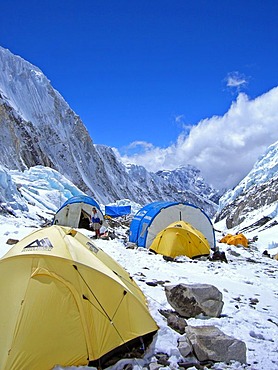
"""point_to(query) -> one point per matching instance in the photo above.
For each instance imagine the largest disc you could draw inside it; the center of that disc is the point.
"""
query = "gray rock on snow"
(211, 344)
(193, 300)
(184, 346)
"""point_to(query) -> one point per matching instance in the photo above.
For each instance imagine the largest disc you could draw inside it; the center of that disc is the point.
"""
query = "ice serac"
(258, 190)
(38, 127)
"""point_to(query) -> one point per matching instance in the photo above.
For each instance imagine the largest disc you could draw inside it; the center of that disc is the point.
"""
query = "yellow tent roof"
(65, 302)
(180, 238)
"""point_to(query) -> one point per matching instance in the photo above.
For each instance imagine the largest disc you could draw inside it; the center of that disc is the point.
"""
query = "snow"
(265, 169)
(247, 276)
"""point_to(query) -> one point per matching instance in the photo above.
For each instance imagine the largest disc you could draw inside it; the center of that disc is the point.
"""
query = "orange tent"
(238, 239)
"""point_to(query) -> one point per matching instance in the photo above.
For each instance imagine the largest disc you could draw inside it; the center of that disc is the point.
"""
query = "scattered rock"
(166, 313)
(188, 364)
(234, 253)
(174, 321)
(154, 366)
(253, 301)
(266, 254)
(193, 300)
(211, 344)
(218, 256)
(130, 245)
(177, 323)
(184, 346)
(151, 283)
(162, 359)
(11, 241)
(256, 335)
(275, 323)
(168, 259)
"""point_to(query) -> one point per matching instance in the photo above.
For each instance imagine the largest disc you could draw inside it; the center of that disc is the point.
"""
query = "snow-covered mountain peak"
(265, 169)
(257, 192)
(23, 85)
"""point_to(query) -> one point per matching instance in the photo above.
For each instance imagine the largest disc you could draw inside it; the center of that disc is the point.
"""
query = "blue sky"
(146, 71)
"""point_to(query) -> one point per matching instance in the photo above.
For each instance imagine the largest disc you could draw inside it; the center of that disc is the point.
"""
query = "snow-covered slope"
(39, 128)
(258, 191)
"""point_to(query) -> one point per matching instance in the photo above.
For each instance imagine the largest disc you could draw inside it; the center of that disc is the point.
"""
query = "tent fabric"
(76, 212)
(180, 239)
(117, 211)
(238, 239)
(156, 216)
(65, 302)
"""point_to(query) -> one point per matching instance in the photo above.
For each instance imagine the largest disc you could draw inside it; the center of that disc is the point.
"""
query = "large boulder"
(211, 344)
(193, 300)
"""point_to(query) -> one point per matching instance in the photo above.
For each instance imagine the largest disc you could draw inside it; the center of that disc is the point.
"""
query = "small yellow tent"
(180, 238)
(238, 239)
(65, 302)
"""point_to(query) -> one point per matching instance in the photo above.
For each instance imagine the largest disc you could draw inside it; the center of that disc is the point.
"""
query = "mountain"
(257, 191)
(189, 177)
(38, 127)
(247, 282)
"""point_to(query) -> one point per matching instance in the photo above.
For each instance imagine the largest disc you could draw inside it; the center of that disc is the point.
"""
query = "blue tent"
(156, 216)
(80, 199)
(76, 211)
(117, 211)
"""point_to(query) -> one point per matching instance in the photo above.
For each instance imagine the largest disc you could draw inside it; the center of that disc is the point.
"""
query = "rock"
(184, 346)
(188, 364)
(11, 241)
(177, 323)
(218, 256)
(266, 254)
(162, 359)
(211, 344)
(193, 300)
(154, 366)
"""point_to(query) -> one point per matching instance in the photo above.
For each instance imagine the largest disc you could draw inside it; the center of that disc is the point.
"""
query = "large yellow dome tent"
(180, 238)
(66, 302)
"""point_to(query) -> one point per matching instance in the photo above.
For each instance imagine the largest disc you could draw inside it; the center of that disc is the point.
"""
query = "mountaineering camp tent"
(66, 302)
(238, 239)
(180, 238)
(154, 217)
(76, 212)
(117, 211)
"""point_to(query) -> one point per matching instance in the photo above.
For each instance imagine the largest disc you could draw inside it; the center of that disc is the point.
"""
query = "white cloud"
(236, 80)
(179, 119)
(224, 148)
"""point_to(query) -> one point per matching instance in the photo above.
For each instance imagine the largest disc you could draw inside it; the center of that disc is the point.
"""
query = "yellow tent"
(238, 239)
(180, 238)
(65, 302)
